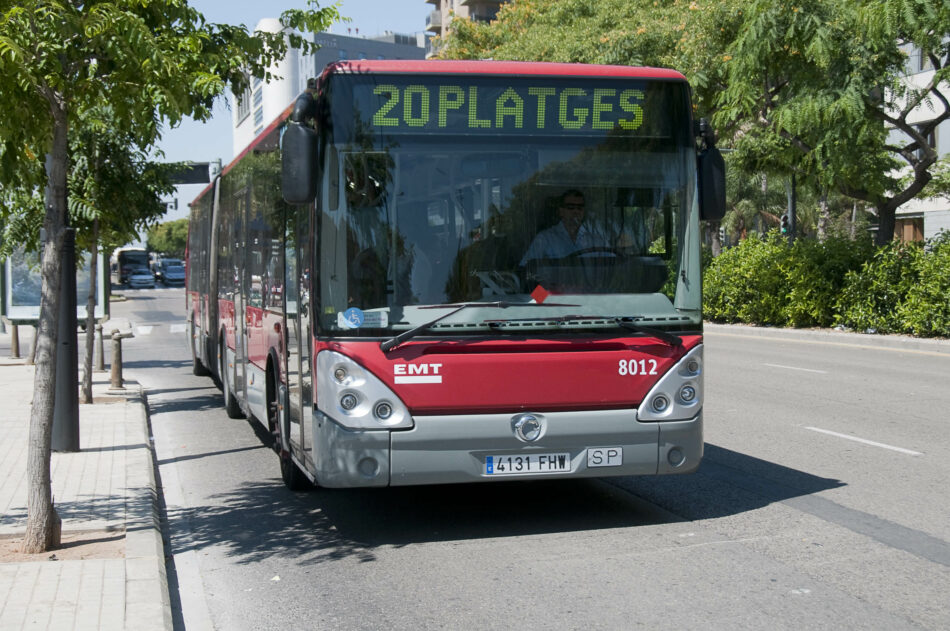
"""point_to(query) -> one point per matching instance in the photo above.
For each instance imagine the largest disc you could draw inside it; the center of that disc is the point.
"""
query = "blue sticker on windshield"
(352, 318)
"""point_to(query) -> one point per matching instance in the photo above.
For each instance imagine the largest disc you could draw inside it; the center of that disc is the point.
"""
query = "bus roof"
(490, 67)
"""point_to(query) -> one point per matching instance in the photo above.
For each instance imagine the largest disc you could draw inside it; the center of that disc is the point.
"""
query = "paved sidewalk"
(106, 492)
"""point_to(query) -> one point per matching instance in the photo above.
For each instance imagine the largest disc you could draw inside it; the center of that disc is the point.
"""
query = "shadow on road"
(155, 363)
(263, 519)
(726, 483)
(209, 401)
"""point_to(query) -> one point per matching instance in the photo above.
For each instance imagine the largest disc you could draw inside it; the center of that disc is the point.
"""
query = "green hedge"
(899, 288)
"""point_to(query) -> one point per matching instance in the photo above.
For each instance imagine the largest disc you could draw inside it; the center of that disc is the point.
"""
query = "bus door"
(241, 283)
(299, 382)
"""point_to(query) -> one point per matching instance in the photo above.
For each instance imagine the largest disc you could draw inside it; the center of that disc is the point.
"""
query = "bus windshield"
(573, 194)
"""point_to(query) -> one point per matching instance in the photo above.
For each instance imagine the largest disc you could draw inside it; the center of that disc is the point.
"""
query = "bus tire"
(231, 405)
(197, 368)
(290, 473)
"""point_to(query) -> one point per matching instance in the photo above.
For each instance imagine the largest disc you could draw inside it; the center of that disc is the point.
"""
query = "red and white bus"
(456, 271)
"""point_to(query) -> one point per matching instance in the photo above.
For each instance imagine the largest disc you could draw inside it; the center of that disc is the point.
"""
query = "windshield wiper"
(630, 324)
(626, 322)
(392, 343)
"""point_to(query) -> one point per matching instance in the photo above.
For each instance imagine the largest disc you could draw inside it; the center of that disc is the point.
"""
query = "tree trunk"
(91, 315)
(42, 523)
(823, 217)
(854, 221)
(885, 224)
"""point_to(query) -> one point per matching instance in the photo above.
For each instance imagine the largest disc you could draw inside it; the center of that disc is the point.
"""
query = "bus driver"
(570, 235)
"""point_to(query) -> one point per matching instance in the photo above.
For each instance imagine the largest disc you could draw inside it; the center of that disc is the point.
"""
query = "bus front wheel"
(294, 479)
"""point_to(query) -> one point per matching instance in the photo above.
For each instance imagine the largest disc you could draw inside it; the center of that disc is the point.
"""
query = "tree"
(114, 191)
(819, 88)
(690, 36)
(169, 237)
(148, 62)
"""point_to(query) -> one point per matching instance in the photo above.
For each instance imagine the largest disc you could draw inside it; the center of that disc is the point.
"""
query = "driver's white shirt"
(555, 242)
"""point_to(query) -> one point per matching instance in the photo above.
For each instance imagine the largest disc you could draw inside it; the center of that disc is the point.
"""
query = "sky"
(208, 142)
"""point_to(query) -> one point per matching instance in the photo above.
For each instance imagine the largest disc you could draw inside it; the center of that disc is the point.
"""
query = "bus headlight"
(687, 393)
(678, 395)
(348, 401)
(353, 397)
(383, 410)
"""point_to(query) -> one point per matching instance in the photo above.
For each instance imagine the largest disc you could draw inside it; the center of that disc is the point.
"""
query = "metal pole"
(66, 402)
(14, 341)
(100, 350)
(116, 362)
(792, 210)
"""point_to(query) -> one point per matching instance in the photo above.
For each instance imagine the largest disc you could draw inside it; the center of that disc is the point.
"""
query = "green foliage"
(897, 288)
(169, 238)
(925, 311)
(872, 295)
(767, 281)
(816, 273)
(688, 35)
(904, 288)
(747, 283)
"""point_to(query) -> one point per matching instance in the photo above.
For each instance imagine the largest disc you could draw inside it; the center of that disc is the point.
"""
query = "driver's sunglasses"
(573, 206)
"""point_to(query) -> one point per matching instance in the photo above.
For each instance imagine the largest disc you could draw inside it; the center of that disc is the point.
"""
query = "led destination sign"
(512, 106)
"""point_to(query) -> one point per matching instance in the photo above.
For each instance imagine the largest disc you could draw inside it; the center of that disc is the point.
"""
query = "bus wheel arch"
(197, 366)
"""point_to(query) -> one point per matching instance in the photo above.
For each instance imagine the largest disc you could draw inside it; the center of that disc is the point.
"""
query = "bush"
(925, 311)
(816, 274)
(747, 283)
(767, 281)
(872, 295)
(898, 288)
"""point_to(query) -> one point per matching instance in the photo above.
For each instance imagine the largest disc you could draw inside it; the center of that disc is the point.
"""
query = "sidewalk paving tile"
(109, 487)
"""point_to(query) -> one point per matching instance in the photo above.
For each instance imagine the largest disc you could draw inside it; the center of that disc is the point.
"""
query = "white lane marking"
(821, 372)
(144, 330)
(865, 441)
(177, 328)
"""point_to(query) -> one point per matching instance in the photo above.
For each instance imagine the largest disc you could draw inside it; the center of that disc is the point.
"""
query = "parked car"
(171, 272)
(141, 277)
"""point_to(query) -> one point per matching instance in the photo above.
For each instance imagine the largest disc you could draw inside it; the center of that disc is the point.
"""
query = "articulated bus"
(456, 271)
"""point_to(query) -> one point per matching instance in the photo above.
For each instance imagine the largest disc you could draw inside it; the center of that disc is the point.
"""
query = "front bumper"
(452, 449)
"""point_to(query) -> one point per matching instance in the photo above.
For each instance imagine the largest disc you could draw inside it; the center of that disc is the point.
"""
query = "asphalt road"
(820, 503)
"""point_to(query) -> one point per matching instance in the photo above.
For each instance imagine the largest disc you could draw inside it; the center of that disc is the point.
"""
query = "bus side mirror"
(711, 169)
(298, 164)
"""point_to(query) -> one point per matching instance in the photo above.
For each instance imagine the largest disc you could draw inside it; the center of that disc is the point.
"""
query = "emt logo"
(417, 373)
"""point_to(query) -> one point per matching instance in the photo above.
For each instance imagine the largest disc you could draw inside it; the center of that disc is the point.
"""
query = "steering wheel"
(606, 252)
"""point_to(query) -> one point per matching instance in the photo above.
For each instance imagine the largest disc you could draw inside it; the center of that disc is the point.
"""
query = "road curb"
(147, 597)
(846, 338)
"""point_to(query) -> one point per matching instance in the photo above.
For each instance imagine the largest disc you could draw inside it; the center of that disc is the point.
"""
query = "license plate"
(527, 463)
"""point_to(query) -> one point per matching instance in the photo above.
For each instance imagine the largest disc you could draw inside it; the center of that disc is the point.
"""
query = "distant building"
(438, 22)
(263, 102)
